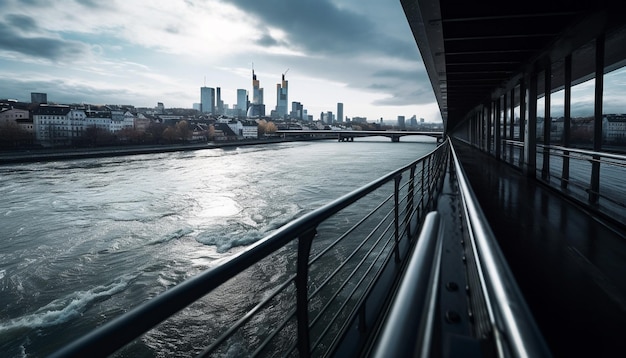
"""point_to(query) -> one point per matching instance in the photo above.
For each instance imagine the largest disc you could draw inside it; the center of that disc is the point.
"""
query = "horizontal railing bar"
(376, 242)
(354, 252)
(356, 286)
(233, 328)
(386, 260)
(343, 236)
(274, 333)
(585, 152)
(511, 316)
(515, 143)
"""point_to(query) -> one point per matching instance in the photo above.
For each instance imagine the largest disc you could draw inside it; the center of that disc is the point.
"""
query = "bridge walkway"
(569, 264)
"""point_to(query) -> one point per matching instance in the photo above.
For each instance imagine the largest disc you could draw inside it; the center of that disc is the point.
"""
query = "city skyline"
(360, 53)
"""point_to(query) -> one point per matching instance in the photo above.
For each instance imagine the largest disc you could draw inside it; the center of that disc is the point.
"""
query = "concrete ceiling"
(475, 50)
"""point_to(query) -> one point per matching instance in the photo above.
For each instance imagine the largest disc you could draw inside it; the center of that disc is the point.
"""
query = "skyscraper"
(207, 99)
(297, 110)
(401, 122)
(257, 108)
(257, 91)
(282, 97)
(339, 112)
(219, 102)
(242, 100)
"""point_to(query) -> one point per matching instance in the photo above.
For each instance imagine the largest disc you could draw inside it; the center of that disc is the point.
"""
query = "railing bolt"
(452, 317)
(452, 286)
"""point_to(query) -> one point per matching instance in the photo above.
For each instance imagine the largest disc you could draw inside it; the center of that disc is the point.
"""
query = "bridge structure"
(349, 135)
(508, 240)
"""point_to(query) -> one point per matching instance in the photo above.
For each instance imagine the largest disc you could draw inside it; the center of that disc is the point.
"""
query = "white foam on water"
(64, 309)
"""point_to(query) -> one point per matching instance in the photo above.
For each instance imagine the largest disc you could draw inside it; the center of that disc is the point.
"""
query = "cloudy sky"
(359, 52)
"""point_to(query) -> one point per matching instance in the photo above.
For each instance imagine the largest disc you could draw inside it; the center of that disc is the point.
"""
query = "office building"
(401, 122)
(36, 97)
(207, 99)
(242, 100)
(219, 103)
(339, 112)
(282, 98)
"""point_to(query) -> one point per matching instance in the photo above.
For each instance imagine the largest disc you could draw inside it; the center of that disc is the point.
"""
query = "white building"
(12, 115)
(57, 125)
(614, 128)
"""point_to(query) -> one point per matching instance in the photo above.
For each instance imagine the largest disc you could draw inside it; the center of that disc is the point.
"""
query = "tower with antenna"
(282, 96)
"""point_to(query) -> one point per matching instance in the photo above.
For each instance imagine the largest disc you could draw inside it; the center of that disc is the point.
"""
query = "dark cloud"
(319, 26)
(267, 40)
(49, 48)
(38, 3)
(61, 91)
(92, 4)
(23, 22)
(172, 29)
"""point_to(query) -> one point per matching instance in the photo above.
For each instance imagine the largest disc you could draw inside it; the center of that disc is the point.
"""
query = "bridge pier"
(395, 139)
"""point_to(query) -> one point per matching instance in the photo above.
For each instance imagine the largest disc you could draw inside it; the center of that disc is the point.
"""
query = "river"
(86, 240)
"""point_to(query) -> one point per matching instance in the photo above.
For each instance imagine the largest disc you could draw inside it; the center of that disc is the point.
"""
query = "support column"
(522, 118)
(594, 192)
(497, 139)
(489, 121)
(567, 119)
(547, 123)
(530, 138)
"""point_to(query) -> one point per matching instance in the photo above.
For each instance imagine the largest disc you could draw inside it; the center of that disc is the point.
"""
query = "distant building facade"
(37, 97)
(282, 97)
(207, 99)
(340, 112)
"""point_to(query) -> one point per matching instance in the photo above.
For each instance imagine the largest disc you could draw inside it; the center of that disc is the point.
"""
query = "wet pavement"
(569, 265)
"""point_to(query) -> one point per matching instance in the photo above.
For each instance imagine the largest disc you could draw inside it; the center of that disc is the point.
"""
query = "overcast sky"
(359, 52)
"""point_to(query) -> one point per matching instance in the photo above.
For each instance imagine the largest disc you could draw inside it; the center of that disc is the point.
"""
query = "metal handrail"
(413, 309)
(514, 329)
(585, 152)
(589, 155)
(124, 329)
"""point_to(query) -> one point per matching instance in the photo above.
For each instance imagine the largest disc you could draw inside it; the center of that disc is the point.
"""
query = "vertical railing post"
(409, 204)
(302, 300)
(396, 211)
(423, 196)
(430, 180)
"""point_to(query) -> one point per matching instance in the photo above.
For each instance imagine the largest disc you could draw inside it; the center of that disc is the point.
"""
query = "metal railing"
(315, 286)
(408, 328)
(513, 328)
(572, 171)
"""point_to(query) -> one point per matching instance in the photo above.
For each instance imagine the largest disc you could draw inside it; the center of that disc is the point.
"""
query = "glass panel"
(583, 94)
(557, 101)
(541, 110)
(582, 114)
(614, 111)
(612, 193)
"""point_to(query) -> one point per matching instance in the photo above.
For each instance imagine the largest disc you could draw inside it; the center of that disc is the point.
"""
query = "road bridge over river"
(349, 135)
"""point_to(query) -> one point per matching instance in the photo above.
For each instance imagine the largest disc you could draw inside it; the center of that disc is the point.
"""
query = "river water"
(86, 240)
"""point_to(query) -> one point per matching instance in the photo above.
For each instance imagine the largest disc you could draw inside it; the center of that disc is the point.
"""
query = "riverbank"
(43, 155)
